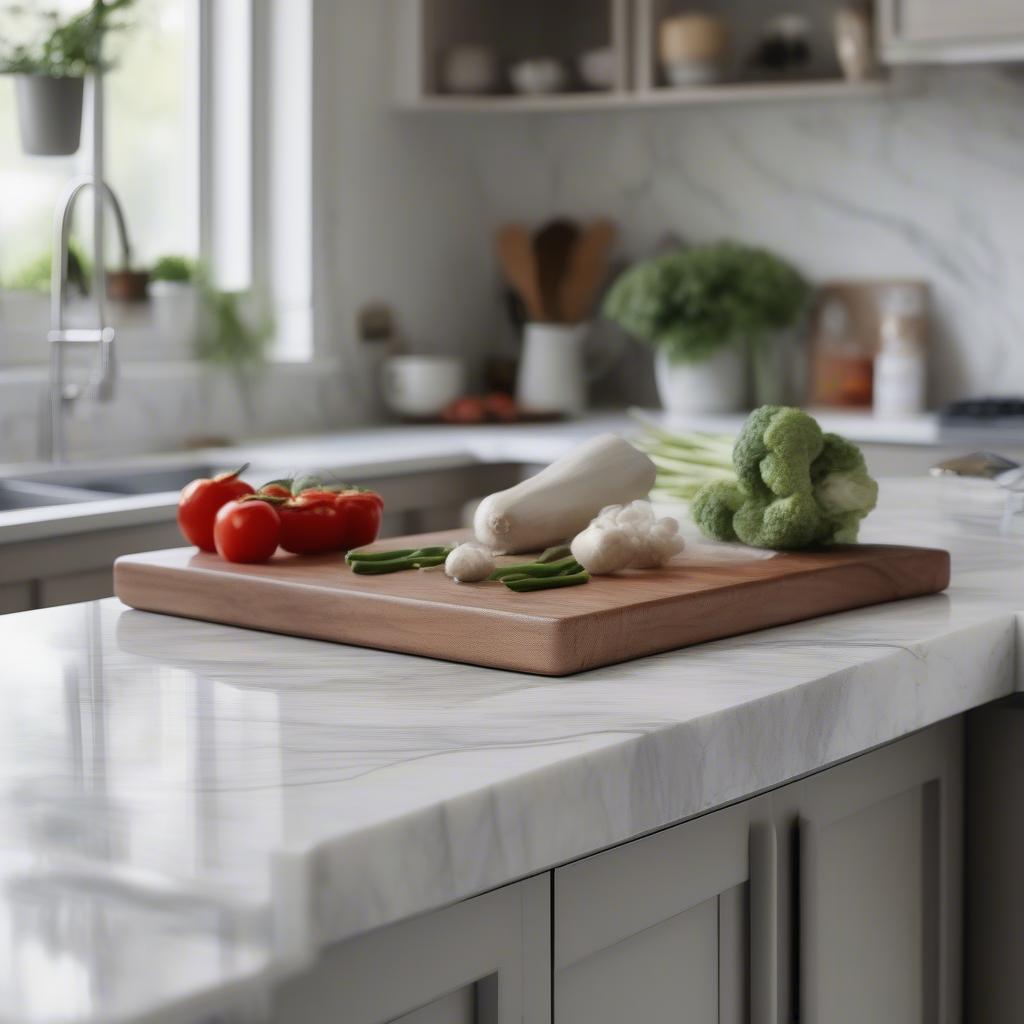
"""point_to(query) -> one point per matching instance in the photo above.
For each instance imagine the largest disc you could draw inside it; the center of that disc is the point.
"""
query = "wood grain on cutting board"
(557, 632)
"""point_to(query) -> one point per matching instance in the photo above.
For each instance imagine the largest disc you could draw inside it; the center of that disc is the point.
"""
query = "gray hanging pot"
(49, 114)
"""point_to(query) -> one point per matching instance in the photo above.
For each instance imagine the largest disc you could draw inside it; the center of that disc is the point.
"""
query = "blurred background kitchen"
(412, 239)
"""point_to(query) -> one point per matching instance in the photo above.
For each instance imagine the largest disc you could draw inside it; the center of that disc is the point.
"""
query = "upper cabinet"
(534, 55)
(968, 31)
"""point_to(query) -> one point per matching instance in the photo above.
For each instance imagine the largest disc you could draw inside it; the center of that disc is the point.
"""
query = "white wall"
(930, 184)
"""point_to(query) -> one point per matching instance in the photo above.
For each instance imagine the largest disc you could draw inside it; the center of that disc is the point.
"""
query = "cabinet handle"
(764, 912)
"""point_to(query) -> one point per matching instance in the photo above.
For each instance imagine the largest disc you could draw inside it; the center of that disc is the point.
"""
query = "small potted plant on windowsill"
(49, 71)
(705, 310)
(174, 297)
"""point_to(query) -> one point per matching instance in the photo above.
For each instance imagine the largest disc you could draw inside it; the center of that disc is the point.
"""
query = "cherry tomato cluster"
(302, 516)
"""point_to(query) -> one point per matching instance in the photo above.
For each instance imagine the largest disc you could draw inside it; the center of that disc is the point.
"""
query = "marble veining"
(188, 810)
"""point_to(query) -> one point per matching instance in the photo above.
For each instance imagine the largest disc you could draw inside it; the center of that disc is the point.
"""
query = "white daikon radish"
(561, 500)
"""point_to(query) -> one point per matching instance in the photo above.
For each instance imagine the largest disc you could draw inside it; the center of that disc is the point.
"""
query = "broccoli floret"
(796, 487)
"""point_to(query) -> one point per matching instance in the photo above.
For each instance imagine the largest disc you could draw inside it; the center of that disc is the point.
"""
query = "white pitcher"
(552, 376)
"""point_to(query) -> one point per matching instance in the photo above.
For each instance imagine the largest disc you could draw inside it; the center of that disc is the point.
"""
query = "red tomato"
(501, 407)
(202, 499)
(465, 410)
(247, 531)
(277, 489)
(311, 523)
(361, 513)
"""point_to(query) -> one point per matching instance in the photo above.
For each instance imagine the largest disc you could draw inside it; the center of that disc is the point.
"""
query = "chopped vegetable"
(797, 487)
(560, 500)
(627, 537)
(534, 569)
(685, 462)
(469, 563)
(379, 563)
(526, 584)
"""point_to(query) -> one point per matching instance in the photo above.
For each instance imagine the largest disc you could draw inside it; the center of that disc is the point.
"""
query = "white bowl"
(683, 73)
(540, 76)
(597, 68)
(470, 70)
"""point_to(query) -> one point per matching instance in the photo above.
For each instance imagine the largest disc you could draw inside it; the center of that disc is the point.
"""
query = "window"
(209, 147)
(151, 146)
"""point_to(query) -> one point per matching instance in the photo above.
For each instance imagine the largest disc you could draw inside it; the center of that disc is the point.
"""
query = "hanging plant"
(50, 64)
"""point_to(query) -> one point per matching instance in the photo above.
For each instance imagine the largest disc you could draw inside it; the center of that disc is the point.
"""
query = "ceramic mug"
(421, 386)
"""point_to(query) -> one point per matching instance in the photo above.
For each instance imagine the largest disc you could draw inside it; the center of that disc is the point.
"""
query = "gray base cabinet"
(832, 900)
(483, 961)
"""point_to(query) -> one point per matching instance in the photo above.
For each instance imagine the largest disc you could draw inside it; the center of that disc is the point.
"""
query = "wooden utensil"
(519, 265)
(552, 246)
(555, 632)
(587, 271)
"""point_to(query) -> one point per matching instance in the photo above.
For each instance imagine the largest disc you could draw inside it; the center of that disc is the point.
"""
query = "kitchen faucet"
(101, 383)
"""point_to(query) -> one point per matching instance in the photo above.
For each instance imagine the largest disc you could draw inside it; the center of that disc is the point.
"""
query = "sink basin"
(21, 494)
(139, 481)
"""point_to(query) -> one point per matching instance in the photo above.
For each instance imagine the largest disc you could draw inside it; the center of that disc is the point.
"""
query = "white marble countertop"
(188, 811)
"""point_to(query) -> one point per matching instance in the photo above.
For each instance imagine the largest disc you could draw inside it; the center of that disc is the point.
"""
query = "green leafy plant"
(34, 276)
(229, 335)
(179, 269)
(61, 47)
(691, 302)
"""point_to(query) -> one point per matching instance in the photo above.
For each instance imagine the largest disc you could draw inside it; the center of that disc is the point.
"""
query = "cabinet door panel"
(457, 1008)
(671, 928)
(662, 975)
(880, 885)
(956, 20)
(483, 961)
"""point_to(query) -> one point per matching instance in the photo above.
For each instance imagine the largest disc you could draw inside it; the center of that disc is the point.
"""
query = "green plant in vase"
(702, 308)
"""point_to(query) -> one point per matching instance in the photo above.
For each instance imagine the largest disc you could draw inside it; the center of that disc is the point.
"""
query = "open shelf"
(726, 92)
(531, 28)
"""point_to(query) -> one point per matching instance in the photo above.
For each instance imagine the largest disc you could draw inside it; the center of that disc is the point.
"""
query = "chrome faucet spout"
(101, 383)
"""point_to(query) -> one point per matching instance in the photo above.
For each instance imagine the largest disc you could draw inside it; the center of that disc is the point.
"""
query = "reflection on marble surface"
(186, 810)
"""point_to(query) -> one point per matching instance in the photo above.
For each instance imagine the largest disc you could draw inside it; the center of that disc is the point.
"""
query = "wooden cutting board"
(557, 632)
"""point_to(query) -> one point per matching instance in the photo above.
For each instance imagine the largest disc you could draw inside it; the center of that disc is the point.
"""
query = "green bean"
(571, 570)
(380, 568)
(532, 569)
(531, 583)
(389, 556)
(553, 554)
(378, 556)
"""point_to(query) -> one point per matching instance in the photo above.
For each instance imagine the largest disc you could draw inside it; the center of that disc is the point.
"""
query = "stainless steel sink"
(140, 481)
(21, 494)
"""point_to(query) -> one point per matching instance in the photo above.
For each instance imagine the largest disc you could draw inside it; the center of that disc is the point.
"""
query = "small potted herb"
(49, 69)
(174, 298)
(703, 309)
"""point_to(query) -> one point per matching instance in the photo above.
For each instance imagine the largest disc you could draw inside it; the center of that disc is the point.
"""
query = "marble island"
(190, 813)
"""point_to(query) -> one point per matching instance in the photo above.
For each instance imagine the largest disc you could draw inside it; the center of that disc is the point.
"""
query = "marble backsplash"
(169, 406)
(924, 181)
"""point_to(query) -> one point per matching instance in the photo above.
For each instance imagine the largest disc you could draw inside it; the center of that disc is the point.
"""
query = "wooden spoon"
(519, 265)
(553, 245)
(588, 267)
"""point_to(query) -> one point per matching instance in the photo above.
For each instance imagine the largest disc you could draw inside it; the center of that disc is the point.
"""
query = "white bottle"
(900, 376)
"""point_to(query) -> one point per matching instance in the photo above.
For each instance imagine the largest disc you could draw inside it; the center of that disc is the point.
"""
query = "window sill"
(175, 369)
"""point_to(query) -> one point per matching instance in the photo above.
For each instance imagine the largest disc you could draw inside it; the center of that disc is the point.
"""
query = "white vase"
(717, 384)
(175, 306)
(552, 376)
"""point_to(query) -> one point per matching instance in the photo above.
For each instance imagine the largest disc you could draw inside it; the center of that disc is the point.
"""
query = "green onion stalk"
(685, 462)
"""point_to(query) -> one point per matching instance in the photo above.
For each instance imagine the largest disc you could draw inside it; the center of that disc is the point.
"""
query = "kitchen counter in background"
(898, 447)
(190, 811)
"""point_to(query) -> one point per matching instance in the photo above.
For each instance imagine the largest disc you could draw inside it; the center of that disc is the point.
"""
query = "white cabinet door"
(951, 30)
(483, 961)
(677, 926)
(880, 886)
